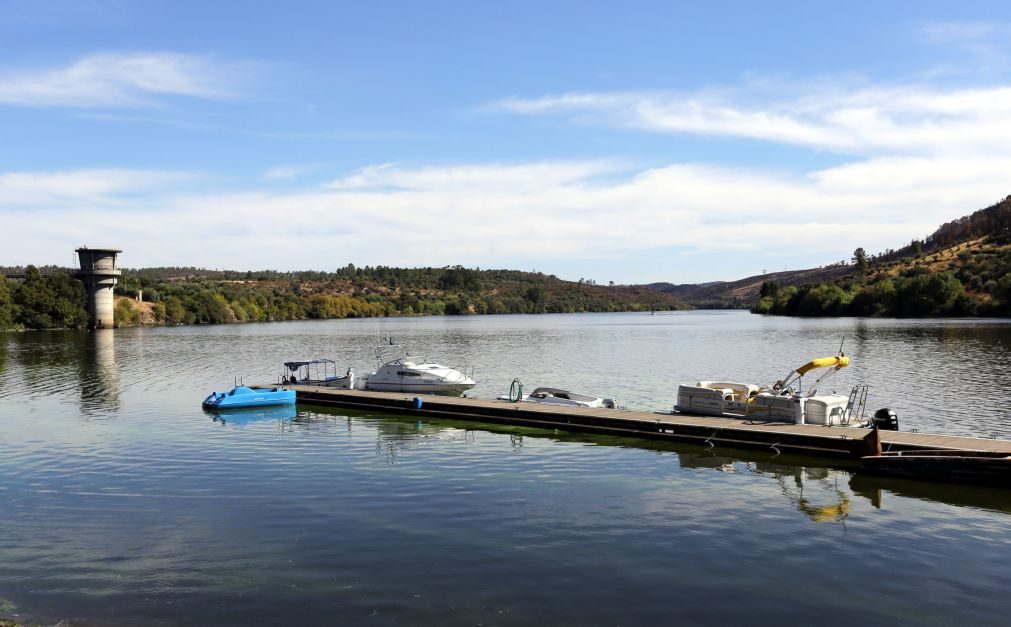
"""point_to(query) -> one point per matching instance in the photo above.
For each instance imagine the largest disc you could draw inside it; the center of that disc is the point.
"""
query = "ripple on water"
(124, 502)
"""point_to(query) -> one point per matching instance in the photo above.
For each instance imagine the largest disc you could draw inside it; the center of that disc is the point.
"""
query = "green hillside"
(962, 269)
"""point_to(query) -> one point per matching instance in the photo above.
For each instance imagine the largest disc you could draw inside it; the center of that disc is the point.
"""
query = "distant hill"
(743, 293)
(972, 249)
(993, 222)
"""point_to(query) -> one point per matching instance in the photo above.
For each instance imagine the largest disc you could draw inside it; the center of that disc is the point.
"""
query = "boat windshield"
(396, 355)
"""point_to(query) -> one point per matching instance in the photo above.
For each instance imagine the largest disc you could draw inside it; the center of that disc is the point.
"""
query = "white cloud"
(504, 215)
(856, 121)
(120, 80)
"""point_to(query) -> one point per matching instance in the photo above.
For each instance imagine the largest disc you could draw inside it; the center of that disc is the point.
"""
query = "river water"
(124, 503)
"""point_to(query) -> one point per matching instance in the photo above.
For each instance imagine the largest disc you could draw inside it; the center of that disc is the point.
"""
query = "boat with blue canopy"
(319, 372)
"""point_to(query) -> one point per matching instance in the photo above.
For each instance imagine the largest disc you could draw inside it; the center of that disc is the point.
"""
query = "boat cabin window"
(408, 373)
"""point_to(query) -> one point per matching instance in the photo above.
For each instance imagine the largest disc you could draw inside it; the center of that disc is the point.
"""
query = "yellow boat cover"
(840, 361)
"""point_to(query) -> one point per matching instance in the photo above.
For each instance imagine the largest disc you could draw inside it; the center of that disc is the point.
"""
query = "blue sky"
(628, 142)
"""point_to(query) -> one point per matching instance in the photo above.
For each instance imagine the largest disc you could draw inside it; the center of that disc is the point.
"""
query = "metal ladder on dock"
(856, 405)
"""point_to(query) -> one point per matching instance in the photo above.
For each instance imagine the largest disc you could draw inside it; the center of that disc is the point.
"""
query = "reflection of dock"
(839, 442)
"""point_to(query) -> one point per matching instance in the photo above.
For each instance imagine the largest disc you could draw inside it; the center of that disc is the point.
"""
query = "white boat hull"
(412, 378)
(446, 389)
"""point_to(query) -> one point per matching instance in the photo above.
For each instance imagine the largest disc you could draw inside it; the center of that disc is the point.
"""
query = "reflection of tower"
(99, 274)
(99, 374)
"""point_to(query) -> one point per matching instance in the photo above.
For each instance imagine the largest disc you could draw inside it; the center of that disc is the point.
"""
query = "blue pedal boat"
(241, 396)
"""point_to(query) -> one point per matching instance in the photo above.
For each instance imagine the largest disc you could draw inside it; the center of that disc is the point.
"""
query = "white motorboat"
(412, 374)
(555, 396)
(319, 372)
(783, 402)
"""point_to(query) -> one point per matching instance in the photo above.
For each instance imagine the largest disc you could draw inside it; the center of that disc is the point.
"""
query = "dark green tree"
(860, 259)
(46, 302)
(927, 294)
(6, 304)
(769, 288)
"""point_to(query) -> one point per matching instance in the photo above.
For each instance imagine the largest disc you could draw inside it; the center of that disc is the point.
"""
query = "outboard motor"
(886, 420)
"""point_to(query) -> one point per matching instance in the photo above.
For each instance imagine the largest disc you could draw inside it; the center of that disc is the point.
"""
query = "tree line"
(980, 284)
(195, 296)
(42, 301)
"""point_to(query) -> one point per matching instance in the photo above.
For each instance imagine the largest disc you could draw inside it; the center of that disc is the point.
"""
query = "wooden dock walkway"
(816, 440)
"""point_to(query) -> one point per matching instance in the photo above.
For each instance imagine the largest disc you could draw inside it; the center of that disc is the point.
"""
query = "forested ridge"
(54, 299)
(962, 269)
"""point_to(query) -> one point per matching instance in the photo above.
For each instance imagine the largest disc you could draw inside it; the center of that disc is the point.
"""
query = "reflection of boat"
(321, 371)
(247, 415)
(241, 396)
(555, 396)
(977, 467)
(783, 402)
(405, 373)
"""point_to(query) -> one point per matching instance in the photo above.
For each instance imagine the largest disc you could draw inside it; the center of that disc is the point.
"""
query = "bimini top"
(839, 361)
(295, 365)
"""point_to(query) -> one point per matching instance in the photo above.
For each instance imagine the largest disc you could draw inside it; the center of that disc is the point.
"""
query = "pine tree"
(6, 305)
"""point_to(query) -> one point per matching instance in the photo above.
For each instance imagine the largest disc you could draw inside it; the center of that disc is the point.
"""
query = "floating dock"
(815, 440)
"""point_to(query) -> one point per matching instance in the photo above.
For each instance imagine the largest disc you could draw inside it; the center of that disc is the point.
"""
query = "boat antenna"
(841, 342)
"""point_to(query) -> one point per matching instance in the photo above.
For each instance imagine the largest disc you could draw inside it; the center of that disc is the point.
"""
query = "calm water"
(124, 503)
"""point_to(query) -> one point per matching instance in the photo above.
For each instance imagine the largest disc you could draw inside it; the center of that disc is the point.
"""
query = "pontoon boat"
(782, 402)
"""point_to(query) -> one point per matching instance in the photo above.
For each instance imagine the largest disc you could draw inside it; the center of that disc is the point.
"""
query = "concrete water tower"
(99, 274)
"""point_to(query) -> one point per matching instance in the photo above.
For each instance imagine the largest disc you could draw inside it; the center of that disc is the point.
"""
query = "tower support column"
(99, 274)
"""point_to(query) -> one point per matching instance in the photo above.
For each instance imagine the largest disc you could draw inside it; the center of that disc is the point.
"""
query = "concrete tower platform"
(99, 274)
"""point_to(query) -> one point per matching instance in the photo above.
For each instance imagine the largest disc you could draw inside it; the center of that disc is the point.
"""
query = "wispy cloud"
(986, 42)
(96, 187)
(129, 79)
(282, 172)
(860, 121)
(181, 122)
(509, 178)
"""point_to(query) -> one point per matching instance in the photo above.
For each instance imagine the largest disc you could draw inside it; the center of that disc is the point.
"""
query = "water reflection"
(250, 415)
(815, 492)
(61, 366)
(879, 490)
(824, 492)
(3, 363)
(98, 373)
